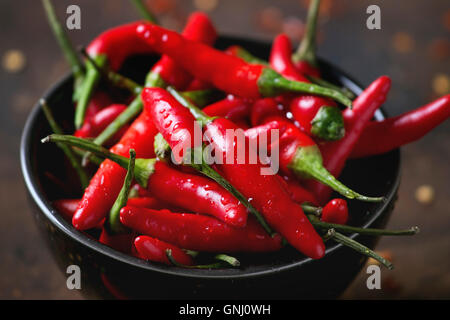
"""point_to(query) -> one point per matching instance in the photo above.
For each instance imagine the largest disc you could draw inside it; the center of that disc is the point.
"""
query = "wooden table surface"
(412, 47)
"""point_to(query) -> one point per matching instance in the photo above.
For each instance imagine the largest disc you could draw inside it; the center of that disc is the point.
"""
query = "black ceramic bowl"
(285, 274)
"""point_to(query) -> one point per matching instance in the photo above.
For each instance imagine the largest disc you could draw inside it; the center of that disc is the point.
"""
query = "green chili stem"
(144, 12)
(162, 149)
(201, 98)
(64, 41)
(144, 168)
(307, 49)
(115, 78)
(224, 261)
(89, 84)
(84, 180)
(114, 214)
(346, 241)
(307, 208)
(134, 108)
(198, 114)
(327, 84)
(366, 231)
(271, 83)
(307, 162)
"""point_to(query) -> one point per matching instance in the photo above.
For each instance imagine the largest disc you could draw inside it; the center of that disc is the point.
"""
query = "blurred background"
(412, 47)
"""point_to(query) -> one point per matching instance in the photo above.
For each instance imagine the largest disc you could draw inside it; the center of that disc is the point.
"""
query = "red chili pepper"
(267, 194)
(94, 125)
(196, 193)
(231, 107)
(336, 153)
(147, 202)
(265, 108)
(66, 207)
(111, 48)
(155, 250)
(335, 211)
(226, 72)
(98, 101)
(198, 232)
(305, 58)
(383, 136)
(122, 242)
(198, 28)
(316, 116)
(281, 59)
(198, 84)
(300, 155)
(104, 187)
(118, 43)
(173, 121)
(299, 194)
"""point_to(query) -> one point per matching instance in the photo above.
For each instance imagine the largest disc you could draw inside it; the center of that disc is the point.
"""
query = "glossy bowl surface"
(283, 275)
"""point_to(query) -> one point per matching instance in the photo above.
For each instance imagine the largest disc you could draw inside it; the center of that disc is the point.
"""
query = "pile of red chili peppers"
(145, 205)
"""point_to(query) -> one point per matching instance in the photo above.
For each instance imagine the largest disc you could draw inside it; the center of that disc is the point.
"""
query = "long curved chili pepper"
(97, 123)
(199, 232)
(105, 185)
(317, 116)
(300, 155)
(232, 107)
(153, 249)
(336, 153)
(305, 57)
(266, 192)
(382, 136)
(191, 192)
(111, 48)
(240, 52)
(300, 194)
(198, 28)
(224, 71)
(99, 100)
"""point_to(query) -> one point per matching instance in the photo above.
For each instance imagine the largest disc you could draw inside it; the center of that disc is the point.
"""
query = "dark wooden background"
(412, 47)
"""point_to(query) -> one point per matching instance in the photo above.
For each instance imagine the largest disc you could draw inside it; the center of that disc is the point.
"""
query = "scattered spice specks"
(13, 61)
(206, 5)
(425, 194)
(403, 42)
(441, 84)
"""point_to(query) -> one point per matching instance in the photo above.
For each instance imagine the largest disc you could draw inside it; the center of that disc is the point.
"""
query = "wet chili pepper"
(335, 211)
(383, 136)
(104, 187)
(111, 48)
(305, 57)
(198, 28)
(317, 116)
(336, 153)
(232, 107)
(147, 202)
(191, 192)
(199, 232)
(97, 123)
(265, 191)
(153, 249)
(228, 73)
(265, 108)
(300, 155)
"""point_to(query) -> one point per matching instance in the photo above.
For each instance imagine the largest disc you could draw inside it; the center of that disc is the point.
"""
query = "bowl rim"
(61, 224)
